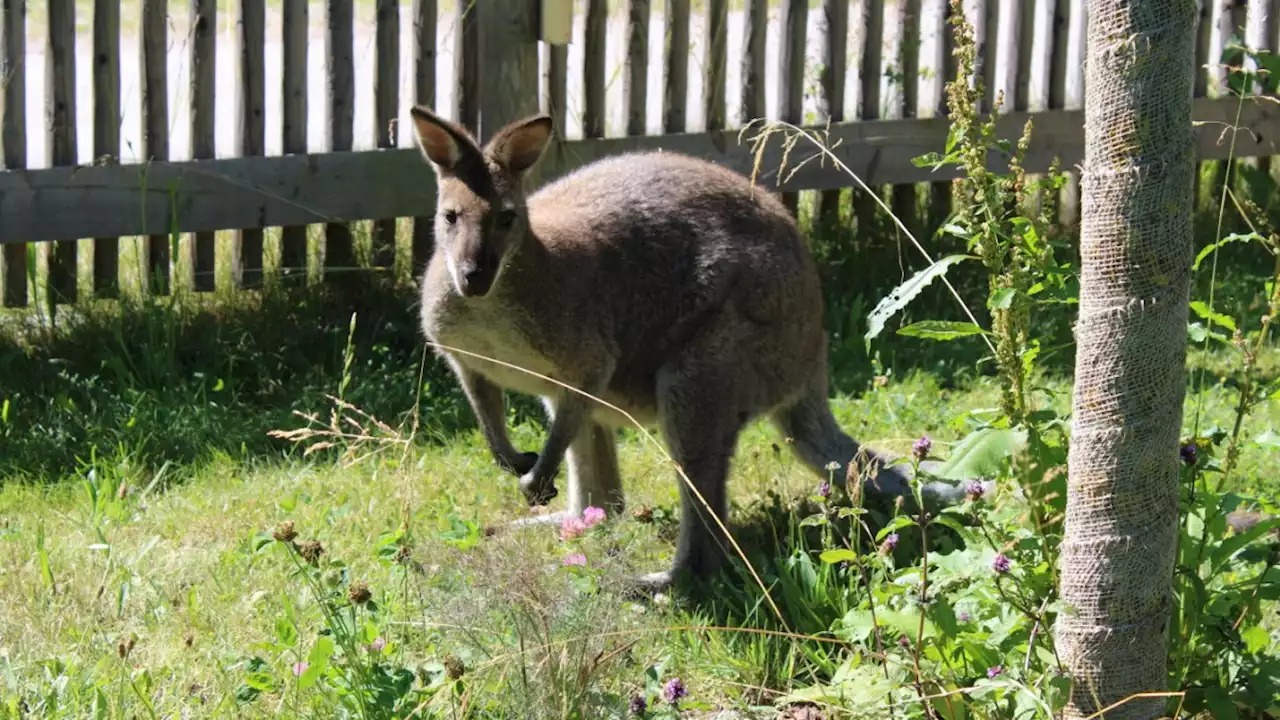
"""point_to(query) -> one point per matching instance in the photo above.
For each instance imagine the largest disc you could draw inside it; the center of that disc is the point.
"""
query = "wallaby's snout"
(480, 217)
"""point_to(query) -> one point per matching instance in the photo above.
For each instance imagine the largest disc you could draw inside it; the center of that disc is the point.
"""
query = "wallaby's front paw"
(519, 465)
(538, 489)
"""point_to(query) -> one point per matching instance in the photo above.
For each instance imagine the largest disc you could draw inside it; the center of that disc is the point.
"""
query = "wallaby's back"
(657, 244)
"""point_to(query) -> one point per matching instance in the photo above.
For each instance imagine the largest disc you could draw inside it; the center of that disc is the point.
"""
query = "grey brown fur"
(666, 285)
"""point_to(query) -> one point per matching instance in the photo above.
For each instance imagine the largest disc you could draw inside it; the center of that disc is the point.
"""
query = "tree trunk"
(1135, 251)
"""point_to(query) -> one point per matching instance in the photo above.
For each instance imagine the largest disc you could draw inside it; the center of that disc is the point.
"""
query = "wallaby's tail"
(819, 441)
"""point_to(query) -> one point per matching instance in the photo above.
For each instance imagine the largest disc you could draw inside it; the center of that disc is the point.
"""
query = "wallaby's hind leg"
(701, 430)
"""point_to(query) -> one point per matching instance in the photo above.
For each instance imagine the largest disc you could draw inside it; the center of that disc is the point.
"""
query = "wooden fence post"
(508, 31)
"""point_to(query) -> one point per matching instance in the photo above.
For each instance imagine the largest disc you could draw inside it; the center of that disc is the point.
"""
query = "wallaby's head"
(481, 216)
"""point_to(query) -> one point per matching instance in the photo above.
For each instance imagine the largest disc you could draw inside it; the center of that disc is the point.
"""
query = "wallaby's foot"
(520, 464)
(538, 488)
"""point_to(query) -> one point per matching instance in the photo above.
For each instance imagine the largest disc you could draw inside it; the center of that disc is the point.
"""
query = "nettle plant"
(966, 632)
(958, 618)
(1222, 653)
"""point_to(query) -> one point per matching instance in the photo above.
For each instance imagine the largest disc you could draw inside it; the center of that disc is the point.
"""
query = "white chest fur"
(482, 327)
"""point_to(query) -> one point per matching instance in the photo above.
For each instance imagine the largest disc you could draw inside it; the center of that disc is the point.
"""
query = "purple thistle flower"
(975, 490)
(576, 559)
(963, 616)
(920, 449)
(994, 671)
(1000, 564)
(377, 645)
(638, 705)
(300, 667)
(674, 690)
(1190, 453)
(889, 544)
(824, 490)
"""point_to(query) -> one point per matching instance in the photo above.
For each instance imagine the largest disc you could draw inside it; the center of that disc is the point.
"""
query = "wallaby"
(666, 285)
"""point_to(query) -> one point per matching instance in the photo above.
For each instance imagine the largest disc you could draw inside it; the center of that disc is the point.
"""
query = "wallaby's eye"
(451, 216)
(506, 219)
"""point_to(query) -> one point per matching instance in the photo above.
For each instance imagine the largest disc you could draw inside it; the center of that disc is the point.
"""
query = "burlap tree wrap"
(1131, 334)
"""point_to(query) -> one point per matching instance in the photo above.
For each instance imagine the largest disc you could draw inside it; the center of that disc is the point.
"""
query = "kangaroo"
(668, 286)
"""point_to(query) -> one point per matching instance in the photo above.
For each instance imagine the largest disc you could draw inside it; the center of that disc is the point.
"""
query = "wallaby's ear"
(519, 145)
(442, 142)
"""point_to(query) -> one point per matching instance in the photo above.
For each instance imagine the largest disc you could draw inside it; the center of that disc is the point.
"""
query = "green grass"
(130, 506)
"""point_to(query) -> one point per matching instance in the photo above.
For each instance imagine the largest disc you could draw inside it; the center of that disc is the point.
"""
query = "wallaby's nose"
(476, 278)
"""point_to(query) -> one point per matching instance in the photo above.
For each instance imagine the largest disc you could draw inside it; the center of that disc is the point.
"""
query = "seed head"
(285, 532)
(454, 667)
(359, 593)
(311, 550)
(643, 514)
(189, 639)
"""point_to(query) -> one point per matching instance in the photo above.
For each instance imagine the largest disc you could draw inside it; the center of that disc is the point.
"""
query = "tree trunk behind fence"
(1135, 247)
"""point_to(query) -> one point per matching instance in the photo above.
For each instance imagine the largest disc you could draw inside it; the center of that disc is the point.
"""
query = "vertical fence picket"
(204, 47)
(13, 131)
(294, 22)
(1073, 99)
(675, 97)
(251, 124)
(340, 90)
(635, 77)
(869, 75)
(556, 86)
(386, 102)
(593, 69)
(715, 71)
(934, 16)
(424, 93)
(755, 25)
(60, 130)
(793, 22)
(106, 130)
(904, 93)
(466, 66)
(834, 36)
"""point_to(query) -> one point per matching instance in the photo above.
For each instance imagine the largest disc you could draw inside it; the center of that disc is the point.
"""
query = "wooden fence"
(879, 67)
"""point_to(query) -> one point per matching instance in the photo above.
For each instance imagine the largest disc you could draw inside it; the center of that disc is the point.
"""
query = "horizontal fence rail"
(256, 192)
(197, 143)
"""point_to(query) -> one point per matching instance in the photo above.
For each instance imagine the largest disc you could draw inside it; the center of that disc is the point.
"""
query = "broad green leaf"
(839, 555)
(318, 662)
(900, 296)
(1234, 237)
(981, 453)
(1198, 334)
(895, 525)
(1269, 439)
(940, 330)
(1001, 299)
(1235, 543)
(1256, 639)
(1202, 309)
(1220, 704)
